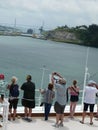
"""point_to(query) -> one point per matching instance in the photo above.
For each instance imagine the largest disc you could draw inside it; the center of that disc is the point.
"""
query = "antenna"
(14, 30)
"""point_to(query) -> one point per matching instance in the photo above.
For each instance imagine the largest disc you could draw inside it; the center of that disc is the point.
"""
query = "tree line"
(88, 35)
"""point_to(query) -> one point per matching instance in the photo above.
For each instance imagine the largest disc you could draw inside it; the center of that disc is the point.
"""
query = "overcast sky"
(49, 13)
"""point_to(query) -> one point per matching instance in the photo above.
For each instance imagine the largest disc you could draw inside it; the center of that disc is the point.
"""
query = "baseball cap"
(2, 76)
(91, 82)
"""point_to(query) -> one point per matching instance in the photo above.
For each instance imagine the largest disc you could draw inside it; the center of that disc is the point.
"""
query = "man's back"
(29, 90)
(90, 94)
(60, 93)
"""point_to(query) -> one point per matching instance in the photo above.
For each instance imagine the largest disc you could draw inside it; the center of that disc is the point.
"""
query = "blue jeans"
(47, 110)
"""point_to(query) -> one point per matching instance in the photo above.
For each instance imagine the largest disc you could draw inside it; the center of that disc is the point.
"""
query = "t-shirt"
(29, 90)
(60, 93)
(90, 94)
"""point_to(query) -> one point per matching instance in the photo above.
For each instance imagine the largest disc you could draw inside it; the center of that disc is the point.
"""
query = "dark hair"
(74, 82)
(28, 77)
(50, 86)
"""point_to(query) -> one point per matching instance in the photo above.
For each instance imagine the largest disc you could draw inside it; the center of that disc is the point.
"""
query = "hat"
(2, 76)
(91, 82)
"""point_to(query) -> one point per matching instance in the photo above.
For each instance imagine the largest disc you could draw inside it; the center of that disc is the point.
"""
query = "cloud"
(53, 14)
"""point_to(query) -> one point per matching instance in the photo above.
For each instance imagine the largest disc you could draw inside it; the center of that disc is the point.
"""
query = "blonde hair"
(14, 79)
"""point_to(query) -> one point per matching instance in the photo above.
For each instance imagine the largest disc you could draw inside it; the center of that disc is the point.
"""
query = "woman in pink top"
(74, 97)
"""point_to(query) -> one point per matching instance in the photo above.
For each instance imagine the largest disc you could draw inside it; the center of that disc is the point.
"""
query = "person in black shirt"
(28, 100)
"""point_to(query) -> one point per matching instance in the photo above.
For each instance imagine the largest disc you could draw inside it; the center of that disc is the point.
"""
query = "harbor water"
(20, 56)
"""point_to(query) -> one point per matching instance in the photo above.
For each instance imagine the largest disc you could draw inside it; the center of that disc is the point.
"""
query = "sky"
(48, 13)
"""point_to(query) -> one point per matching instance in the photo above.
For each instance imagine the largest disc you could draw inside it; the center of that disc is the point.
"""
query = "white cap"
(91, 82)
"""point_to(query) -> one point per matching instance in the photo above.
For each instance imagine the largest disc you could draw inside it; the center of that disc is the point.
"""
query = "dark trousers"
(47, 110)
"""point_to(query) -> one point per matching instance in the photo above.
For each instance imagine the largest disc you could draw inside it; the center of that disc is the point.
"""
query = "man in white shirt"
(89, 100)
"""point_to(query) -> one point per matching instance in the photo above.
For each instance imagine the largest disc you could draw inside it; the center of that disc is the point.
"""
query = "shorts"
(27, 103)
(13, 103)
(59, 109)
(74, 98)
(91, 107)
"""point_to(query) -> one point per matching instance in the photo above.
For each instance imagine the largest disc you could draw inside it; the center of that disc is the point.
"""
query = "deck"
(38, 123)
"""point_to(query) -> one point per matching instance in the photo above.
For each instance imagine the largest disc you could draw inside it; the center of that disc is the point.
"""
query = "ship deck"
(38, 121)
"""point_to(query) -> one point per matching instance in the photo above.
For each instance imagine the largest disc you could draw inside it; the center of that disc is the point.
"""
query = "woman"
(49, 95)
(74, 97)
(13, 97)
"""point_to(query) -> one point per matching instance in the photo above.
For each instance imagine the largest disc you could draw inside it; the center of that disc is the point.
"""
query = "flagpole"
(42, 80)
(85, 75)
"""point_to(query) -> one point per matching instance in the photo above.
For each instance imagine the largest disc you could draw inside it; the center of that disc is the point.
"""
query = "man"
(28, 100)
(60, 101)
(89, 100)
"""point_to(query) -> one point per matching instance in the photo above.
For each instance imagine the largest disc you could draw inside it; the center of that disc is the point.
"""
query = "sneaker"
(71, 117)
(56, 125)
(29, 119)
(46, 118)
(61, 125)
(13, 118)
(9, 119)
(81, 122)
(24, 118)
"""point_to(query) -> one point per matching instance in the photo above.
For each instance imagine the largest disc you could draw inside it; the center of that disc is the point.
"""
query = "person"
(28, 100)
(3, 86)
(13, 97)
(89, 100)
(74, 97)
(3, 94)
(49, 95)
(96, 115)
(61, 98)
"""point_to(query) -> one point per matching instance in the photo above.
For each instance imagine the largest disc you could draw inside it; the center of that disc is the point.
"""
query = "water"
(20, 56)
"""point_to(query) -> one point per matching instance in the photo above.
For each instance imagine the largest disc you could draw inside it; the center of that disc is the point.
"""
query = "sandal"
(81, 122)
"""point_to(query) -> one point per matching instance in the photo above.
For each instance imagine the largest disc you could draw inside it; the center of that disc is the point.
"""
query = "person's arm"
(52, 78)
(58, 74)
(96, 85)
(42, 91)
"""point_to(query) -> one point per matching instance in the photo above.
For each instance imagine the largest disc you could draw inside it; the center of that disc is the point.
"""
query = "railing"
(4, 108)
(38, 98)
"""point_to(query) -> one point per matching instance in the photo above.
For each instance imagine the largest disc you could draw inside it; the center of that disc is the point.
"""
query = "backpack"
(14, 91)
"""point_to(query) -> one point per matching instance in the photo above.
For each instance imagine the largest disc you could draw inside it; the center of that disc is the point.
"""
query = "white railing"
(4, 110)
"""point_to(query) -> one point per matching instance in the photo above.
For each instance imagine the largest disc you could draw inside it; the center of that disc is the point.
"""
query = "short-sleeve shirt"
(90, 94)
(60, 93)
(49, 96)
(29, 90)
